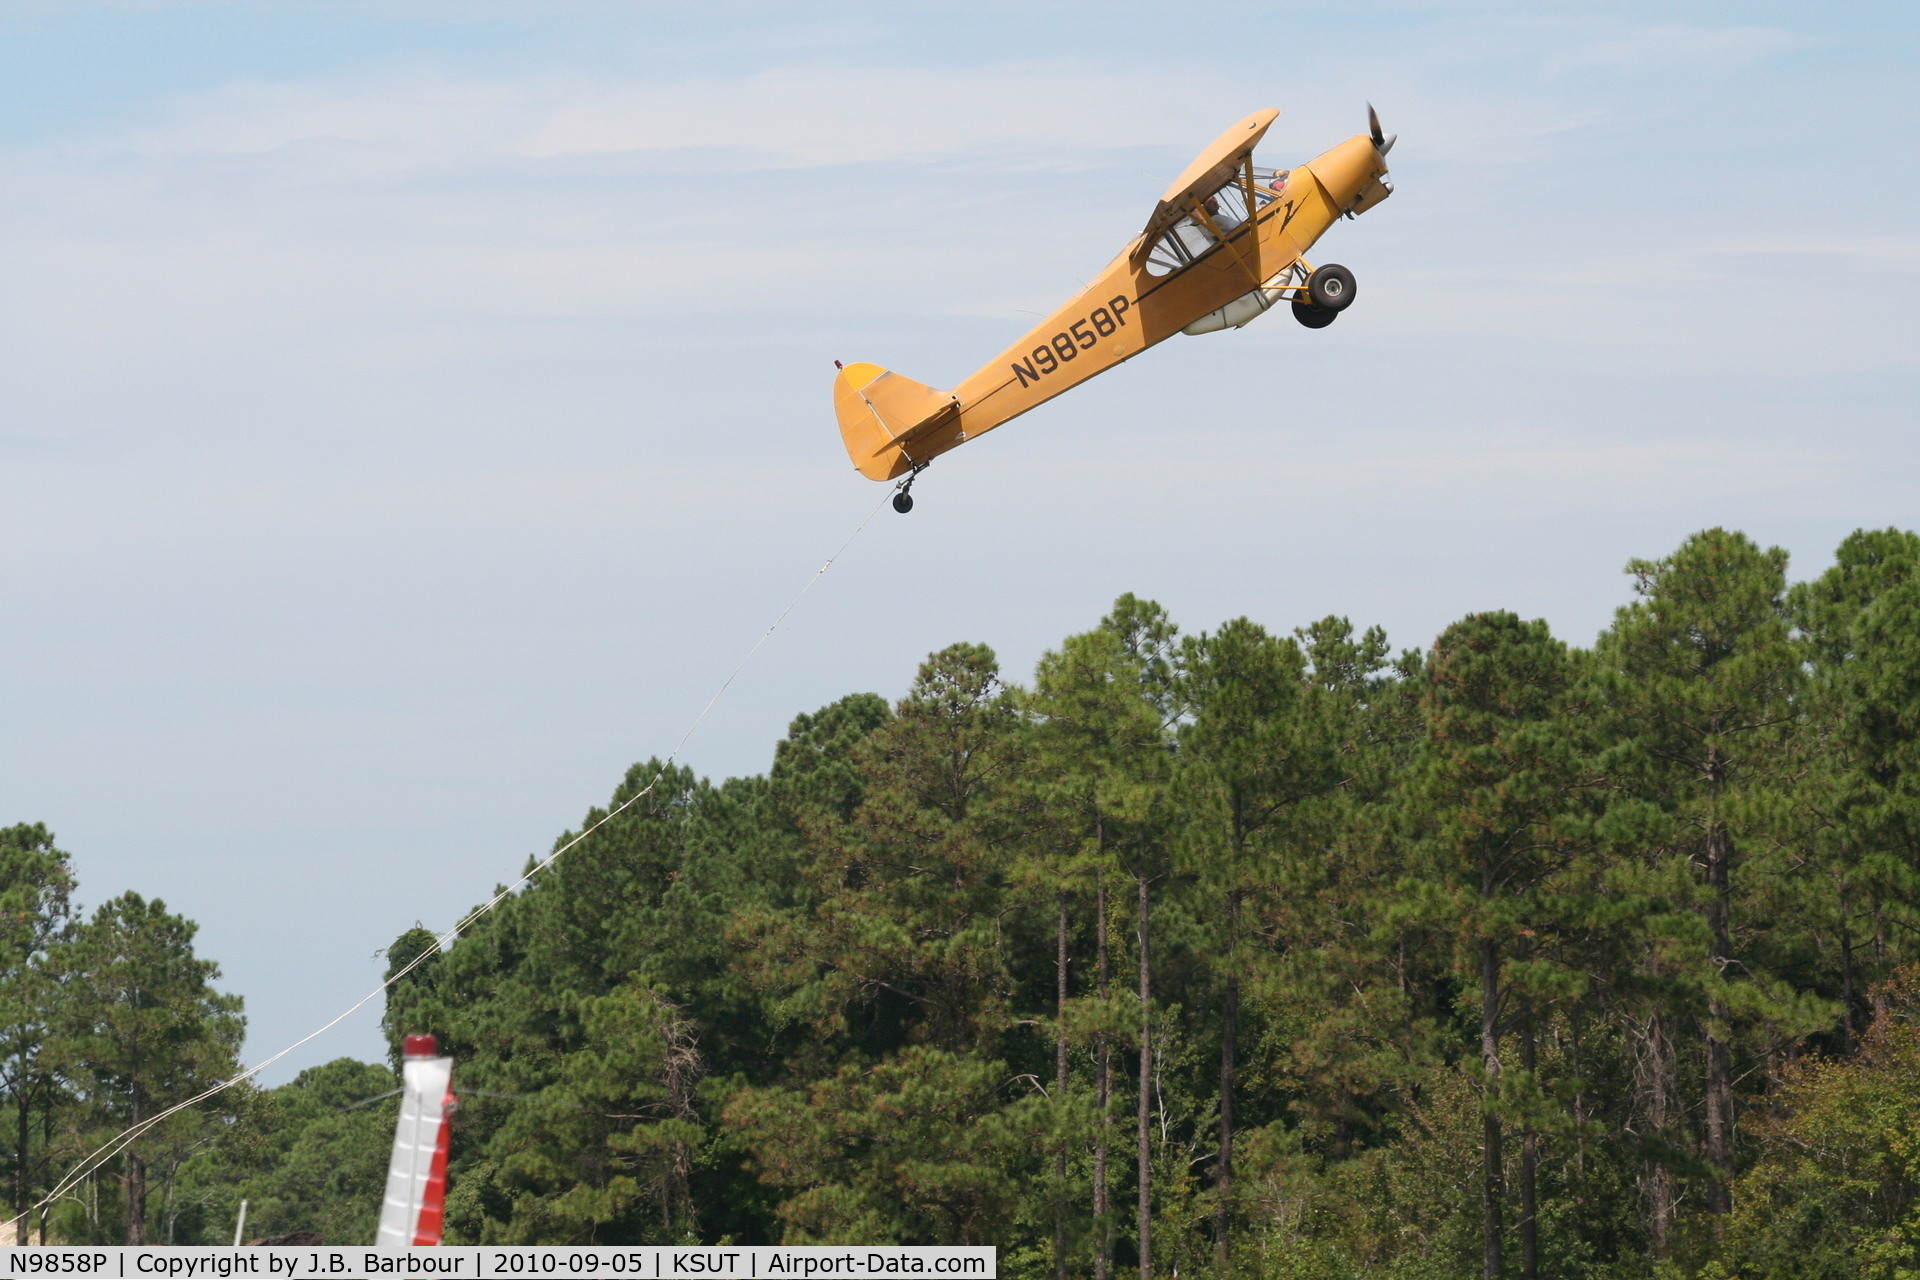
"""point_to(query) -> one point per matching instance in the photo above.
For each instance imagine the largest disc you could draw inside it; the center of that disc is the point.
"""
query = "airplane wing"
(1210, 170)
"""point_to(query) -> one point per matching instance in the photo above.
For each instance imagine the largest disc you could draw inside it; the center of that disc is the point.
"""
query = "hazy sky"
(409, 412)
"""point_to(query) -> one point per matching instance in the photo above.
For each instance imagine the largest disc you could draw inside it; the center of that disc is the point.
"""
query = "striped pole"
(417, 1178)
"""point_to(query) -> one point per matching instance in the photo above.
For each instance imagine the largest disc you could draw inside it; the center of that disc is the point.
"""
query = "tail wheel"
(1313, 317)
(903, 502)
(1331, 287)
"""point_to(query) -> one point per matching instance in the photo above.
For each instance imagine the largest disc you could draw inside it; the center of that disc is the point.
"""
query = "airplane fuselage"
(1126, 309)
(1224, 244)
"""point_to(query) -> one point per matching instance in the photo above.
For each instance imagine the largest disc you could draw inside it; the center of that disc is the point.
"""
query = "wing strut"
(1200, 213)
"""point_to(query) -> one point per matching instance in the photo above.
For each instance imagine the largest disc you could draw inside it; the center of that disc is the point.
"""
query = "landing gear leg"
(903, 500)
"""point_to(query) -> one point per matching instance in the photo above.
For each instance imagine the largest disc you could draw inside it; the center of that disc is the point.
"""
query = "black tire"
(903, 502)
(1331, 287)
(1313, 317)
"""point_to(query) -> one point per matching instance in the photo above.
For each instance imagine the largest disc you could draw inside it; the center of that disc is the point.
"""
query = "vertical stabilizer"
(417, 1177)
(884, 418)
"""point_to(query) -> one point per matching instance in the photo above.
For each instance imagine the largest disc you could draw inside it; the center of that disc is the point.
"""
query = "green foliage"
(1835, 1190)
(926, 1146)
(1501, 958)
(308, 1156)
(144, 1029)
(152, 1030)
(36, 885)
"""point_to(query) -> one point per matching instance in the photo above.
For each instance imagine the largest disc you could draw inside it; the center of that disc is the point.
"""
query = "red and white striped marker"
(417, 1178)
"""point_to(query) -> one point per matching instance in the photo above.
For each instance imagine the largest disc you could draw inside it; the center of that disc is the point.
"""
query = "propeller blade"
(1382, 142)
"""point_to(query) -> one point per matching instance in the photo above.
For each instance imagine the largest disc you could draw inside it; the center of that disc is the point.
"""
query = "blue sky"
(409, 412)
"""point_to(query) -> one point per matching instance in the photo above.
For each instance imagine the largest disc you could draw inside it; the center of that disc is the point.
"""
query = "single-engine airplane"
(1223, 246)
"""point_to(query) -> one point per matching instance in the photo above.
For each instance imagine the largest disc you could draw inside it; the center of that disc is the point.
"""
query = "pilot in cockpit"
(1221, 216)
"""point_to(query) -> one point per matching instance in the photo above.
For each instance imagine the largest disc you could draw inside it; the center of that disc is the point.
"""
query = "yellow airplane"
(1223, 246)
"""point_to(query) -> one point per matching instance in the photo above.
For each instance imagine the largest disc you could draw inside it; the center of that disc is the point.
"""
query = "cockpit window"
(1226, 208)
(1183, 242)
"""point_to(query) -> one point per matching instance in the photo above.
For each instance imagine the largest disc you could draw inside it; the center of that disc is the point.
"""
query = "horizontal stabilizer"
(882, 413)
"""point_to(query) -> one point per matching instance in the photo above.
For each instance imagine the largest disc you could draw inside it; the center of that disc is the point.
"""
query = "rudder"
(882, 414)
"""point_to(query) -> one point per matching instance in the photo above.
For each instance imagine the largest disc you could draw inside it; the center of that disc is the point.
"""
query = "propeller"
(1382, 142)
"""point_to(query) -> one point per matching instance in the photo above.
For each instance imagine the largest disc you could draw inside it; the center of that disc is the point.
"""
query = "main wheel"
(1331, 287)
(1313, 317)
(903, 502)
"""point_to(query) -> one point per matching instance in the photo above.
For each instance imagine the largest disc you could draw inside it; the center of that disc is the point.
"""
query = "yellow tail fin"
(882, 414)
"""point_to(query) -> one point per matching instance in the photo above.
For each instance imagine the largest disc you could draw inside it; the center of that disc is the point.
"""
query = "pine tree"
(1703, 676)
(1496, 776)
(1856, 796)
(1261, 745)
(141, 1019)
(35, 886)
(1100, 711)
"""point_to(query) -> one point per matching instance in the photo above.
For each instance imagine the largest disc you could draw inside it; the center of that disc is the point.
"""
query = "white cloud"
(842, 115)
(787, 118)
(1672, 47)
